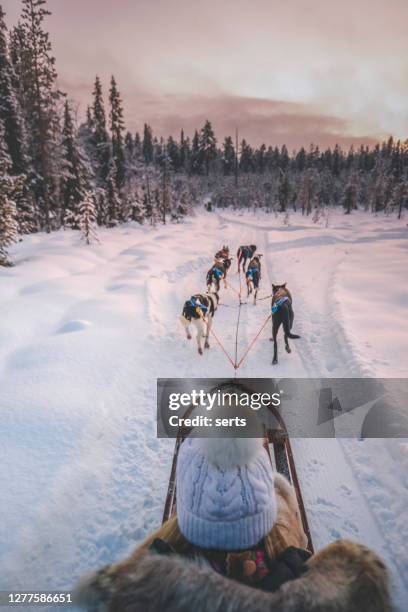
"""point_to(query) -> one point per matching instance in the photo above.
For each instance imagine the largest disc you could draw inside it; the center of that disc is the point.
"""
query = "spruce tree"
(117, 127)
(8, 210)
(207, 146)
(195, 158)
(101, 143)
(10, 109)
(147, 145)
(113, 202)
(87, 218)
(73, 181)
(37, 76)
(228, 156)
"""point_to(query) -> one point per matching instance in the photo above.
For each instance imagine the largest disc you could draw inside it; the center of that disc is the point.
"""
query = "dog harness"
(252, 271)
(194, 303)
(275, 306)
(218, 273)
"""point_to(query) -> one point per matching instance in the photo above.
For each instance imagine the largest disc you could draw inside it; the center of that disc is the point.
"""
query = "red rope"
(221, 345)
(238, 365)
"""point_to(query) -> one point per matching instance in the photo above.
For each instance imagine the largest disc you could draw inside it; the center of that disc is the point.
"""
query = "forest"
(60, 172)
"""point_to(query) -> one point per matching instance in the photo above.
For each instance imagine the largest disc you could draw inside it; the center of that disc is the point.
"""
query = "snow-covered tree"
(10, 109)
(113, 201)
(74, 176)
(207, 146)
(101, 155)
(8, 210)
(147, 145)
(35, 68)
(117, 126)
(228, 156)
(87, 218)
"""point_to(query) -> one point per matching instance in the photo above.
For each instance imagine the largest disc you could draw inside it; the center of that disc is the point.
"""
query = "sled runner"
(277, 445)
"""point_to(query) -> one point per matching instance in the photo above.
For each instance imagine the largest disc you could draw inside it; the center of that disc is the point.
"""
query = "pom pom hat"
(225, 492)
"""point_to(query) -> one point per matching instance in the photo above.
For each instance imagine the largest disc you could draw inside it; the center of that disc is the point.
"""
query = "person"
(236, 519)
(234, 511)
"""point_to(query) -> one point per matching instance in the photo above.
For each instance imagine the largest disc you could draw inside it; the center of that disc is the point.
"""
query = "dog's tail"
(286, 327)
(239, 252)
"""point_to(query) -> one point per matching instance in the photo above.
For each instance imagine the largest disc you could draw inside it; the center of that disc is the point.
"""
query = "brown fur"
(343, 577)
(287, 531)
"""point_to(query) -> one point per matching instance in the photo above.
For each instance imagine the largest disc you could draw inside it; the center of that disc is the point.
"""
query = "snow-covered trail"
(85, 332)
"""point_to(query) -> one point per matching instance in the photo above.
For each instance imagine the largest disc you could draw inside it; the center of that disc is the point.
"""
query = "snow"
(86, 330)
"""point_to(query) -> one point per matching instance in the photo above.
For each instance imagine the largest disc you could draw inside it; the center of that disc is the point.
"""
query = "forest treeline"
(55, 173)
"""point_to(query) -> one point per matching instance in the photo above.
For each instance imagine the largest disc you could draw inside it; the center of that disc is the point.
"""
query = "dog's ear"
(274, 287)
(284, 286)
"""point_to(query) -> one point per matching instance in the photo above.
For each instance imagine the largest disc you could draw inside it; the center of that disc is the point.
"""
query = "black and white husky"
(253, 276)
(199, 311)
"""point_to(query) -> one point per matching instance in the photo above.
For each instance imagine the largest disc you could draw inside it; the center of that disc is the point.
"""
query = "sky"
(287, 71)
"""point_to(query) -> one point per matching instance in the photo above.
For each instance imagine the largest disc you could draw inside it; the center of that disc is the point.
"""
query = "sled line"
(224, 350)
(238, 365)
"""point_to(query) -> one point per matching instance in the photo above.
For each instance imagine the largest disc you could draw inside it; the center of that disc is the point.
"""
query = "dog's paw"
(200, 351)
(207, 345)
(188, 336)
(288, 349)
(274, 362)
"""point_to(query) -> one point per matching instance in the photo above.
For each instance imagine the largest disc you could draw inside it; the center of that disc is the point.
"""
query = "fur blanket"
(343, 577)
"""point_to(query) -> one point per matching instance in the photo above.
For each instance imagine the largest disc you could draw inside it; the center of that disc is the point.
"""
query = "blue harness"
(218, 273)
(251, 272)
(279, 303)
(193, 302)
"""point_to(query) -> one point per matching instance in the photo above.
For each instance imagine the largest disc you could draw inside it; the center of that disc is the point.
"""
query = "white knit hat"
(225, 492)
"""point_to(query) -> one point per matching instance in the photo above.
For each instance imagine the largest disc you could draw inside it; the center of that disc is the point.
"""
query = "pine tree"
(228, 156)
(8, 210)
(246, 159)
(283, 192)
(350, 195)
(113, 202)
(195, 158)
(207, 146)
(87, 218)
(100, 138)
(10, 109)
(73, 181)
(147, 145)
(37, 77)
(184, 152)
(173, 153)
(117, 127)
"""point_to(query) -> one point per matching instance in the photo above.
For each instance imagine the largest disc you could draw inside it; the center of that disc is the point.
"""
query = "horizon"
(305, 75)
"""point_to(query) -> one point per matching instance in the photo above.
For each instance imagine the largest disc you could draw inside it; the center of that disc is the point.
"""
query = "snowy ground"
(85, 331)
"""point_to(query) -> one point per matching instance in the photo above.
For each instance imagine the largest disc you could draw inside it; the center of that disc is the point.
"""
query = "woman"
(235, 512)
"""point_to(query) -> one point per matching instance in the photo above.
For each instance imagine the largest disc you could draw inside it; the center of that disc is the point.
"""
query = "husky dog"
(244, 253)
(282, 314)
(253, 276)
(199, 311)
(217, 273)
(223, 256)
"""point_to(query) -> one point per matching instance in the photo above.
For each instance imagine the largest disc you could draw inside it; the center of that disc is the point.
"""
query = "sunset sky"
(291, 71)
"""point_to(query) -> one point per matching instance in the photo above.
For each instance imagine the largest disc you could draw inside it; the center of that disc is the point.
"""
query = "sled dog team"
(236, 543)
(200, 309)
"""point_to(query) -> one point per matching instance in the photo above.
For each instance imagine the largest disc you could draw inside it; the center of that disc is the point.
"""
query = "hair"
(287, 531)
